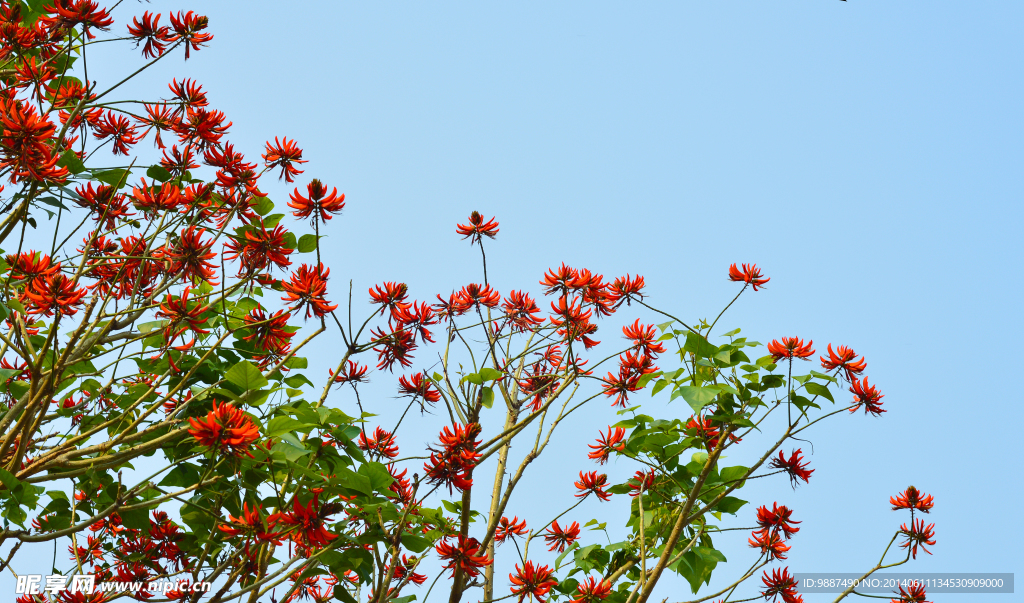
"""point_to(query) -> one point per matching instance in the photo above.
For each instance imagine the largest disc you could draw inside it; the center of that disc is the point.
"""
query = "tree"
(158, 326)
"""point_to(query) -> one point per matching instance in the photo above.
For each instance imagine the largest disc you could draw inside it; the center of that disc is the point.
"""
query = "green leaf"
(264, 206)
(487, 397)
(731, 474)
(415, 543)
(280, 425)
(816, 389)
(698, 397)
(246, 375)
(730, 504)
(297, 381)
(158, 172)
(731, 333)
(292, 447)
(307, 243)
(72, 162)
(489, 374)
(699, 346)
(137, 519)
(380, 478)
(112, 177)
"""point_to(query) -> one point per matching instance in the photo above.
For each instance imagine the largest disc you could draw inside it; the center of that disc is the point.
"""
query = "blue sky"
(866, 154)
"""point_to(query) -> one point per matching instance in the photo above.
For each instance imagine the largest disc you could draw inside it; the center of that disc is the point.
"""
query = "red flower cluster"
(316, 203)
(532, 581)
(912, 498)
(606, 444)
(226, 429)
(794, 466)
(913, 594)
(453, 464)
(780, 584)
(464, 554)
(350, 373)
(917, 535)
(283, 155)
(307, 288)
(749, 275)
(633, 366)
(559, 537)
(845, 359)
(866, 395)
(704, 429)
(477, 228)
(306, 522)
(181, 318)
(271, 334)
(509, 529)
(250, 524)
(774, 525)
(592, 483)
(591, 591)
(790, 347)
(641, 482)
(382, 443)
(418, 386)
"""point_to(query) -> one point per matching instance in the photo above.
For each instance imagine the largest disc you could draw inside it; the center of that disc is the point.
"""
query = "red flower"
(307, 287)
(250, 524)
(750, 275)
(592, 482)
(418, 385)
(641, 482)
(30, 266)
(477, 228)
(404, 568)
(402, 486)
(509, 529)
(163, 198)
(416, 318)
(226, 429)
(606, 444)
(845, 360)
(770, 543)
(452, 465)
(559, 281)
(591, 591)
(778, 519)
(559, 537)
(202, 128)
(463, 555)
(912, 498)
(187, 27)
(574, 324)
(160, 118)
(55, 293)
(269, 333)
(189, 94)
(914, 594)
(866, 395)
(794, 466)
(382, 443)
(626, 289)
(530, 581)
(521, 311)
(26, 144)
(396, 346)
(644, 338)
(479, 295)
(182, 318)
(70, 13)
(706, 431)
(150, 32)
(189, 257)
(317, 203)
(119, 129)
(258, 249)
(283, 155)
(391, 297)
(918, 535)
(780, 584)
(790, 347)
(309, 520)
(350, 373)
